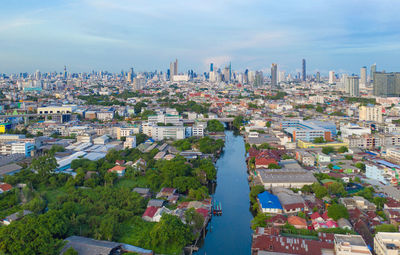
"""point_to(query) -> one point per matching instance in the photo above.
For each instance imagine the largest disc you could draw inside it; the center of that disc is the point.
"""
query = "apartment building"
(370, 113)
(387, 243)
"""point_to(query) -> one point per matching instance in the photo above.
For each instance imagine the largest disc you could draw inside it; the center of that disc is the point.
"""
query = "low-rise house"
(297, 222)
(291, 202)
(149, 214)
(166, 192)
(264, 162)
(277, 220)
(119, 170)
(156, 203)
(88, 246)
(144, 192)
(344, 224)
(15, 216)
(4, 187)
(269, 203)
(357, 202)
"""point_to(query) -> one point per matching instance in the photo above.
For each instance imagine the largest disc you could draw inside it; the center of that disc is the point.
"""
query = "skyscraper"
(386, 84)
(173, 69)
(373, 70)
(211, 67)
(274, 75)
(318, 77)
(331, 77)
(363, 76)
(258, 79)
(304, 70)
(352, 86)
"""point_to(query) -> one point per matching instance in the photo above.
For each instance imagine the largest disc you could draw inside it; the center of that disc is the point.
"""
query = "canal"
(231, 232)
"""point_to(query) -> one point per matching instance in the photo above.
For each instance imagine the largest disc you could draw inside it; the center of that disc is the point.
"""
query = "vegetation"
(386, 228)
(327, 150)
(215, 126)
(238, 121)
(343, 149)
(338, 211)
(319, 140)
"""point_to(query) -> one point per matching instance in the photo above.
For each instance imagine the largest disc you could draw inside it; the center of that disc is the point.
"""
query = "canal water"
(231, 232)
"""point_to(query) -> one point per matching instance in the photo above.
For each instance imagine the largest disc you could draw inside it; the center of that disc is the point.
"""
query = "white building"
(331, 77)
(376, 172)
(350, 130)
(371, 113)
(387, 243)
(159, 133)
(56, 109)
(350, 245)
(130, 142)
(105, 116)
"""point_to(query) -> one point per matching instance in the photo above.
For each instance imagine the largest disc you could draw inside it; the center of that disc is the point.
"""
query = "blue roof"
(388, 164)
(268, 200)
(336, 167)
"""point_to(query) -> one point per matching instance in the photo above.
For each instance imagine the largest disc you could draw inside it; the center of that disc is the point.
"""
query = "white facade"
(376, 173)
(371, 113)
(350, 130)
(387, 243)
(130, 142)
(159, 133)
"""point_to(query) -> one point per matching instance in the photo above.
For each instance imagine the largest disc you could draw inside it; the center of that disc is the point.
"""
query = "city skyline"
(114, 35)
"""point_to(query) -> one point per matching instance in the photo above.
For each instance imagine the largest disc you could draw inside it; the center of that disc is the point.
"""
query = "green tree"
(44, 165)
(360, 166)
(274, 166)
(379, 202)
(237, 122)
(70, 251)
(337, 188)
(255, 190)
(319, 140)
(193, 218)
(385, 228)
(319, 109)
(338, 211)
(170, 231)
(319, 190)
(215, 126)
(343, 149)
(327, 150)
(259, 221)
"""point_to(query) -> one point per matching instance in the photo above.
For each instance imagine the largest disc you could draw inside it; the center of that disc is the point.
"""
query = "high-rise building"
(258, 79)
(373, 70)
(274, 75)
(386, 84)
(331, 77)
(363, 76)
(304, 70)
(318, 77)
(370, 113)
(173, 69)
(281, 76)
(211, 67)
(352, 86)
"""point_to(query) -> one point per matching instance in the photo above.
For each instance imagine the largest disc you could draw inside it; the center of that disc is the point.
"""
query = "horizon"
(115, 35)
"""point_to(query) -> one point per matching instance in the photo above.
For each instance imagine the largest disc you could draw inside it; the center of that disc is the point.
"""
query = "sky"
(114, 35)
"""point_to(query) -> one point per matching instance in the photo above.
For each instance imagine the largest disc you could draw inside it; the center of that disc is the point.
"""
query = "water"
(230, 233)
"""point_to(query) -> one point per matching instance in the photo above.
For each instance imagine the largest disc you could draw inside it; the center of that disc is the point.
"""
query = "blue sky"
(85, 35)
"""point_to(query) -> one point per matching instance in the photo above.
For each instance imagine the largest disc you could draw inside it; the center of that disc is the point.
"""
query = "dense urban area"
(132, 162)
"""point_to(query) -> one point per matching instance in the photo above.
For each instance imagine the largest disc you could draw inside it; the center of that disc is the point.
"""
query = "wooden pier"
(217, 208)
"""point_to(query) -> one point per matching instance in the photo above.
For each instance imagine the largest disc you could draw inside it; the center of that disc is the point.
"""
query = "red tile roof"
(150, 211)
(202, 211)
(297, 221)
(315, 215)
(5, 187)
(265, 161)
(117, 169)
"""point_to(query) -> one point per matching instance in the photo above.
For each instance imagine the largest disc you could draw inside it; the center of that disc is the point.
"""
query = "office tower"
(373, 70)
(173, 69)
(318, 77)
(331, 77)
(226, 74)
(274, 75)
(37, 75)
(246, 76)
(281, 76)
(352, 86)
(363, 76)
(258, 79)
(370, 113)
(211, 67)
(386, 84)
(304, 70)
(130, 77)
(65, 72)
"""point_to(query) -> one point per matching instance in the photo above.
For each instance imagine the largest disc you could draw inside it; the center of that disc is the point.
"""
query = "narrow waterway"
(230, 233)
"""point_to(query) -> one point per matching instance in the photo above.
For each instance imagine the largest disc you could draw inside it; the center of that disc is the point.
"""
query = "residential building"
(387, 243)
(386, 84)
(309, 130)
(370, 113)
(352, 86)
(350, 130)
(130, 142)
(350, 245)
(55, 109)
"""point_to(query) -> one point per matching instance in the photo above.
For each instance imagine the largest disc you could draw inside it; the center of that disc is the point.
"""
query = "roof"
(268, 200)
(9, 168)
(117, 169)
(265, 161)
(5, 187)
(296, 220)
(203, 212)
(88, 246)
(150, 211)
